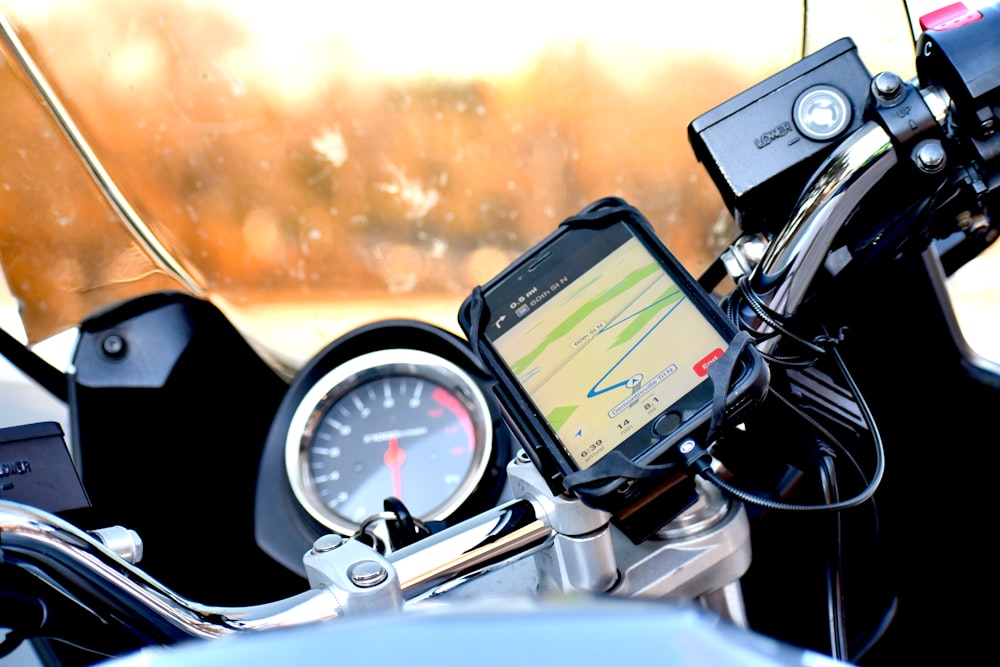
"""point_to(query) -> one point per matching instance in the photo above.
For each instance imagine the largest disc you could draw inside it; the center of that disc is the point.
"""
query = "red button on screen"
(701, 368)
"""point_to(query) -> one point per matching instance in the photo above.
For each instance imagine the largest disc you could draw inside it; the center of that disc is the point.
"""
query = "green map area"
(604, 354)
(582, 314)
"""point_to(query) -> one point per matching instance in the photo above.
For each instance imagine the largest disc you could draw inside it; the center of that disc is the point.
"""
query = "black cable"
(828, 437)
(834, 564)
(805, 27)
(824, 344)
(744, 295)
(861, 649)
(840, 645)
(909, 23)
(767, 503)
(697, 461)
(866, 414)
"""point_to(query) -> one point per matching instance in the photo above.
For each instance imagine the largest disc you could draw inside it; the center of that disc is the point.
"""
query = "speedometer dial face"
(400, 423)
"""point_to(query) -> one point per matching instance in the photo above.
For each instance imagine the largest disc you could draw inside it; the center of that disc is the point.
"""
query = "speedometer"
(395, 408)
(399, 422)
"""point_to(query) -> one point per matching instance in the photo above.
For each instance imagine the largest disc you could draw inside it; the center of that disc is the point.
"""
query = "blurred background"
(323, 165)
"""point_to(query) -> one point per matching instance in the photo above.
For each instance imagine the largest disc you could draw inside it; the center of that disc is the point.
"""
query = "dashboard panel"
(397, 409)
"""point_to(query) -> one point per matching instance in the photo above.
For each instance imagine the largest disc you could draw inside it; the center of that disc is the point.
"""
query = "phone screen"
(602, 339)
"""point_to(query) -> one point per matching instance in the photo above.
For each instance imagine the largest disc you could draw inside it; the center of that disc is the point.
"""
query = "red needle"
(395, 457)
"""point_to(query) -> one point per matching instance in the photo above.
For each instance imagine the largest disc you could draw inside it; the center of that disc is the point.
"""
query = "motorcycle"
(217, 498)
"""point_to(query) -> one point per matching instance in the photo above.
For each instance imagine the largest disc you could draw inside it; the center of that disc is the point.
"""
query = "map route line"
(614, 318)
(594, 391)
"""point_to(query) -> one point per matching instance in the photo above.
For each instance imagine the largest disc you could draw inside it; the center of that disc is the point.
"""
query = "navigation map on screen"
(604, 354)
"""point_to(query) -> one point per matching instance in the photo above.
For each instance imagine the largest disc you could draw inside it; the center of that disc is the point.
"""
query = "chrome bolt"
(122, 541)
(930, 156)
(367, 573)
(887, 86)
(327, 543)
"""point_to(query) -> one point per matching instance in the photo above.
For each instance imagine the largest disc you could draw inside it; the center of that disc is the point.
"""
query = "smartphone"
(600, 342)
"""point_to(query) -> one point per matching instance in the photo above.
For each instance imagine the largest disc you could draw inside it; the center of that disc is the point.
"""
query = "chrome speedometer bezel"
(339, 381)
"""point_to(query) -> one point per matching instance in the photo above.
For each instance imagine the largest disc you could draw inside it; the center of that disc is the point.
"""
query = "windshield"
(310, 167)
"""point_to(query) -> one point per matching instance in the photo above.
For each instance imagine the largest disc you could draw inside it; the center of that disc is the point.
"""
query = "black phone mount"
(641, 492)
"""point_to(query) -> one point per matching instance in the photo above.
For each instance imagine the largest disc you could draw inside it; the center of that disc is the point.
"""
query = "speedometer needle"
(395, 457)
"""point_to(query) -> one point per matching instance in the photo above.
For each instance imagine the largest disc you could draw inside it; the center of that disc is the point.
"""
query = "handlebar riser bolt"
(367, 573)
(929, 156)
(887, 86)
(327, 543)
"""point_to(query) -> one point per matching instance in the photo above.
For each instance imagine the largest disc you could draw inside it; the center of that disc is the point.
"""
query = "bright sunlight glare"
(449, 38)
(459, 39)
(462, 38)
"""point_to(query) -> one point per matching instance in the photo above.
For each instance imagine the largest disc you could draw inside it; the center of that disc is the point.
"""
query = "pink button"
(946, 18)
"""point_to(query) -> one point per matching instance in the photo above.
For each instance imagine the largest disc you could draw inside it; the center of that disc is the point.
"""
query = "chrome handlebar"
(83, 568)
(794, 256)
(701, 555)
(783, 277)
